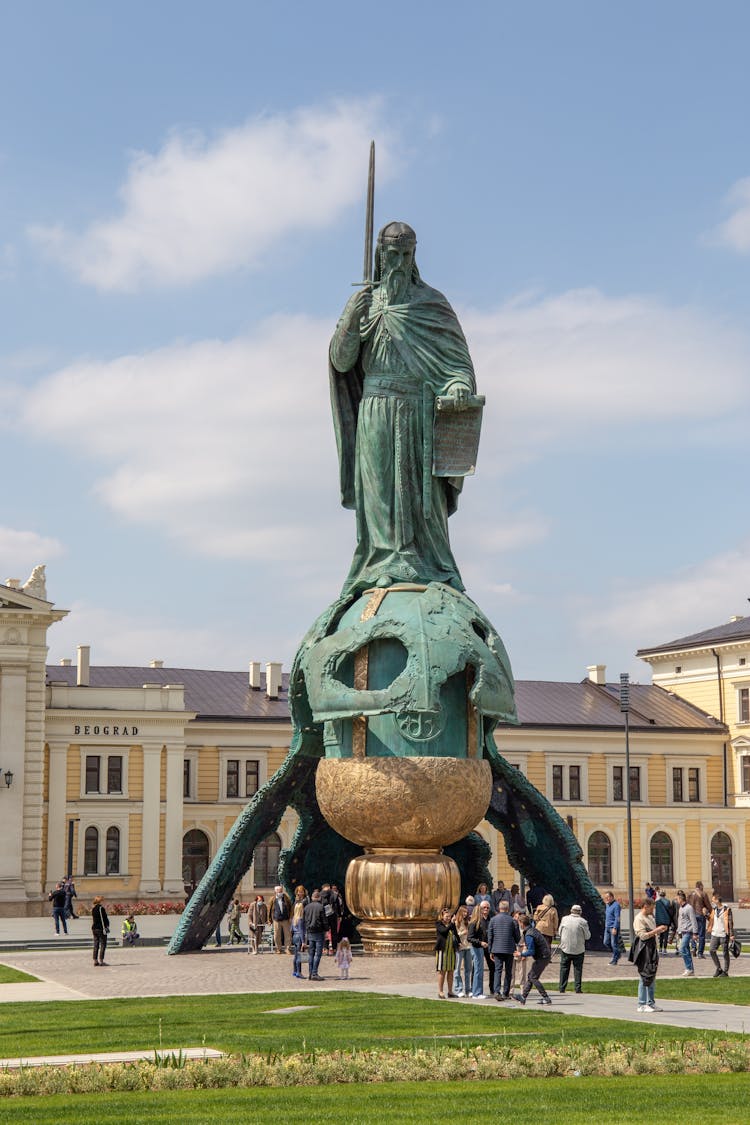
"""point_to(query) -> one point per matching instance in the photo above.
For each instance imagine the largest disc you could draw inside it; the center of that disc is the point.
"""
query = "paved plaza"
(69, 974)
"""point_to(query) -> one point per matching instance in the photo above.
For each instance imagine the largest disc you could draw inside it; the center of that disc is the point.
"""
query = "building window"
(93, 766)
(694, 787)
(91, 851)
(662, 865)
(618, 779)
(195, 857)
(266, 861)
(743, 696)
(557, 783)
(113, 851)
(600, 859)
(745, 770)
(574, 783)
(233, 778)
(678, 668)
(252, 776)
(114, 773)
(677, 785)
(186, 772)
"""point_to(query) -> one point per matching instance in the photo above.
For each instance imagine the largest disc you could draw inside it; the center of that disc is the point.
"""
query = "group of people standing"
(314, 923)
(512, 940)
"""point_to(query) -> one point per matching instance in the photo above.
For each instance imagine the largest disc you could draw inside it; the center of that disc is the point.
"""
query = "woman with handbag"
(721, 928)
(463, 953)
(546, 918)
(644, 954)
(446, 944)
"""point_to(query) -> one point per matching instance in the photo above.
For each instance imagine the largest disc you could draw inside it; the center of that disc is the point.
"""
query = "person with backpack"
(537, 950)
(721, 930)
(665, 915)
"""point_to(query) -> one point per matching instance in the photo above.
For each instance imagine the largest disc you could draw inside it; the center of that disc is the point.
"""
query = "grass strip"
(15, 976)
(718, 1097)
(705, 990)
(242, 1023)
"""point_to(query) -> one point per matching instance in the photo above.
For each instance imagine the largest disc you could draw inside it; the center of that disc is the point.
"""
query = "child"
(343, 958)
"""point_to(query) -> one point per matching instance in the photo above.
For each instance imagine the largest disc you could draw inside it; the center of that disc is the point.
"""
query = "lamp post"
(625, 709)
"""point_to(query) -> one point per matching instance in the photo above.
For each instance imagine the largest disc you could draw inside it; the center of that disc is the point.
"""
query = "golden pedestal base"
(397, 895)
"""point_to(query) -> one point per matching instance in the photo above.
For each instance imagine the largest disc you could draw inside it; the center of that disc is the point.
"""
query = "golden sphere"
(403, 802)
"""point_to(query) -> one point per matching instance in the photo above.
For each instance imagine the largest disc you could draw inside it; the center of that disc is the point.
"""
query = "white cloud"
(20, 551)
(694, 598)
(200, 207)
(581, 365)
(227, 446)
(734, 232)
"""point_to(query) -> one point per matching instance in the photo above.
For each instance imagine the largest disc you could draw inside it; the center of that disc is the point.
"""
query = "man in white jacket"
(574, 933)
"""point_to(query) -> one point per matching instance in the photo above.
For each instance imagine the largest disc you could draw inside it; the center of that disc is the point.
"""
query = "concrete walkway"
(70, 975)
(189, 1053)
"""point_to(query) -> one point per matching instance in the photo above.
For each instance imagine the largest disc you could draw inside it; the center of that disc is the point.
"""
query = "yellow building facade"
(130, 777)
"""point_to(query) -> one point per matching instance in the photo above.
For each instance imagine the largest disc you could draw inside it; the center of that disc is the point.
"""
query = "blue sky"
(181, 206)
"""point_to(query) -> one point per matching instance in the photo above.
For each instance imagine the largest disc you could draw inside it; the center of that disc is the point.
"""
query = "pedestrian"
(644, 954)
(57, 898)
(315, 928)
(520, 964)
(721, 928)
(257, 917)
(446, 944)
(483, 895)
(478, 940)
(546, 918)
(70, 893)
(281, 916)
(649, 892)
(343, 958)
(503, 936)
(687, 931)
(612, 913)
(129, 934)
(665, 916)
(536, 949)
(236, 936)
(517, 904)
(574, 933)
(100, 930)
(501, 894)
(332, 910)
(298, 937)
(701, 905)
(462, 978)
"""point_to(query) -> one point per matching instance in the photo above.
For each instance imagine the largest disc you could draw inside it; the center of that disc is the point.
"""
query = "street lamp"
(8, 778)
(71, 828)
(625, 709)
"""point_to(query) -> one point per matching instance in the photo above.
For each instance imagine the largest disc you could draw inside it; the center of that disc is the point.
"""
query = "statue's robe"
(384, 381)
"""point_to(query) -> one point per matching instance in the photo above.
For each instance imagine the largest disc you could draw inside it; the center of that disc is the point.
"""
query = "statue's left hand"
(460, 393)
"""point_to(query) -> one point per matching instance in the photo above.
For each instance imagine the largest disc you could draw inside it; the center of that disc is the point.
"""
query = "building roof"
(738, 629)
(227, 697)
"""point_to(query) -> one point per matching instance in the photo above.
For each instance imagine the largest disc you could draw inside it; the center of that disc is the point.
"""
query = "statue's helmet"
(398, 234)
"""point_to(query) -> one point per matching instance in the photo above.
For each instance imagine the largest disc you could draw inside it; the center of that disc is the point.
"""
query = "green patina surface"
(433, 658)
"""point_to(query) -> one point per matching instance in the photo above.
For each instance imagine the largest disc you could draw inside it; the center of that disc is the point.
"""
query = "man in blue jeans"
(612, 926)
(57, 898)
(315, 929)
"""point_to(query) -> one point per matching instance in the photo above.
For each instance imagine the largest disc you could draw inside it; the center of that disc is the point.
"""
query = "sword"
(369, 221)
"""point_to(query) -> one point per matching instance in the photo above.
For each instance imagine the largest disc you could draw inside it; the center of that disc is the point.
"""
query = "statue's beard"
(396, 284)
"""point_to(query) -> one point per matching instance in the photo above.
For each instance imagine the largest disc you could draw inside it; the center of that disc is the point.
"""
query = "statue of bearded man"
(397, 346)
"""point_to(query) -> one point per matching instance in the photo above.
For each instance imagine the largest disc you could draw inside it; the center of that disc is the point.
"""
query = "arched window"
(722, 874)
(600, 859)
(662, 863)
(113, 851)
(266, 861)
(91, 851)
(195, 856)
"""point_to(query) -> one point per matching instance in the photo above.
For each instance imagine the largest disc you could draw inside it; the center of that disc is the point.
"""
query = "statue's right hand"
(357, 307)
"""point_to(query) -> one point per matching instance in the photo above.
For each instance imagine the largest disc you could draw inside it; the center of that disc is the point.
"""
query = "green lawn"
(707, 990)
(14, 976)
(715, 1097)
(241, 1024)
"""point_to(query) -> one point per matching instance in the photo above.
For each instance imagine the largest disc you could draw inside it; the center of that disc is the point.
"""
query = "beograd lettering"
(123, 732)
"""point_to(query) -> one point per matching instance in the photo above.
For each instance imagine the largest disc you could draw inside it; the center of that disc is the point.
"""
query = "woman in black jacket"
(478, 940)
(100, 929)
(446, 943)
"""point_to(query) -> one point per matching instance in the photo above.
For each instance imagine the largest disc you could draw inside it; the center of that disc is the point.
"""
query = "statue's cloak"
(429, 339)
